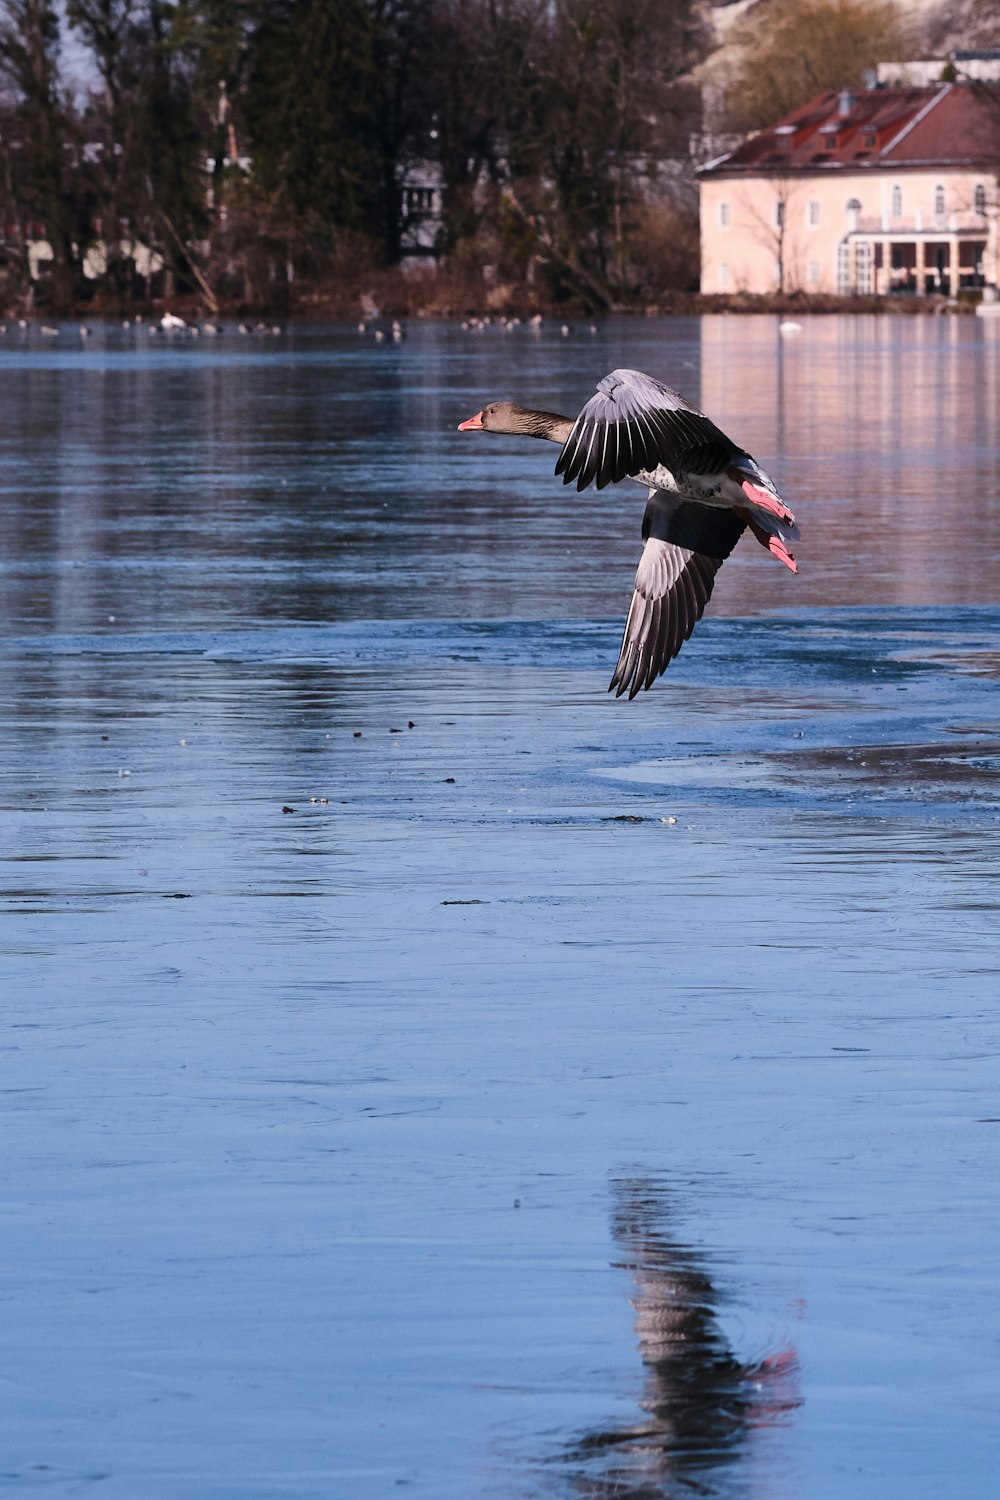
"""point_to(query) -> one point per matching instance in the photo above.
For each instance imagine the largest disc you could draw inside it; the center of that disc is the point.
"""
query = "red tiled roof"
(946, 124)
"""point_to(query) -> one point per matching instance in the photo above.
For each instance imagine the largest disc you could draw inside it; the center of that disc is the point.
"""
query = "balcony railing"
(904, 225)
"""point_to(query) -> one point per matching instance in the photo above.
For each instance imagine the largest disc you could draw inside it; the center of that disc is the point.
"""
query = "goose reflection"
(702, 1403)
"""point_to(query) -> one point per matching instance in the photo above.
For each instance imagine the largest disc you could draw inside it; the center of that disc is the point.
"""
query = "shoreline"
(440, 296)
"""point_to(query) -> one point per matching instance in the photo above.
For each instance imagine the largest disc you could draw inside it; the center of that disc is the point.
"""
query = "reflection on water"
(703, 1403)
(511, 933)
(320, 477)
(886, 434)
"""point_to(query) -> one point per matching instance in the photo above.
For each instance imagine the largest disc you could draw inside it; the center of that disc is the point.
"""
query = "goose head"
(508, 417)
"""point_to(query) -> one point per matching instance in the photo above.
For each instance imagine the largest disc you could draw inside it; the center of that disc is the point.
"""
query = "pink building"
(893, 190)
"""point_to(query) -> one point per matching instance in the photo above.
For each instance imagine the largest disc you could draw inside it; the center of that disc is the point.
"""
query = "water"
(423, 1073)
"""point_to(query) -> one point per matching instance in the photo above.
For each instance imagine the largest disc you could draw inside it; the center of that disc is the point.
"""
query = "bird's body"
(704, 491)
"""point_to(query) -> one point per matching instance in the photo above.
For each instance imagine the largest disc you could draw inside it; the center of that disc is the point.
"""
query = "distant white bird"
(788, 325)
(48, 332)
(171, 321)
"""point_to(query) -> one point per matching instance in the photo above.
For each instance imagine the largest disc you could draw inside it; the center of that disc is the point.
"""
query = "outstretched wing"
(686, 545)
(634, 423)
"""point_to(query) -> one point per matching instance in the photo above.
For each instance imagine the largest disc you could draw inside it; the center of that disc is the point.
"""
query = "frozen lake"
(424, 1074)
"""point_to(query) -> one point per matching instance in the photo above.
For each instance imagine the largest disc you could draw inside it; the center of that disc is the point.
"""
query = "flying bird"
(704, 492)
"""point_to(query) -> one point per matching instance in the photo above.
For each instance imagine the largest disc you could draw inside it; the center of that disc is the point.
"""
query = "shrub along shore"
(440, 294)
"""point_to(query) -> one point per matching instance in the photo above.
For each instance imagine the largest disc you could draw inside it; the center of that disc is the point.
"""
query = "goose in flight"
(704, 492)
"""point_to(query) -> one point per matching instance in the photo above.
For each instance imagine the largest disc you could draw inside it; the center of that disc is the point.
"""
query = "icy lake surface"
(423, 1074)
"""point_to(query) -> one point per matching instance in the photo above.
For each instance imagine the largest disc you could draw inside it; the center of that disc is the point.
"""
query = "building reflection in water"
(702, 1404)
(884, 438)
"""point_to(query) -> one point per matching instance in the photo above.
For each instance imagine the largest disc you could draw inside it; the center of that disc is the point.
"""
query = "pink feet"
(766, 501)
(776, 546)
(776, 1364)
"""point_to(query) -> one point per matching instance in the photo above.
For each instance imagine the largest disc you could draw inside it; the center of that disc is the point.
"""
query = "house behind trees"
(889, 191)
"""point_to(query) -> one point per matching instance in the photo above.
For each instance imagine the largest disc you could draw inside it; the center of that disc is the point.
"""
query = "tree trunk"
(569, 266)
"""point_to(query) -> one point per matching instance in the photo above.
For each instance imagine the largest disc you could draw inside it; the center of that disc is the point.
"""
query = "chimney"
(845, 103)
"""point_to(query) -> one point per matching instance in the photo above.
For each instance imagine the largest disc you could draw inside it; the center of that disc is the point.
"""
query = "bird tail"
(767, 515)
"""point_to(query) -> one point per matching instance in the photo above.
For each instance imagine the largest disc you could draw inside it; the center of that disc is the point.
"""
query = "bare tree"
(773, 227)
(606, 105)
(108, 29)
(793, 49)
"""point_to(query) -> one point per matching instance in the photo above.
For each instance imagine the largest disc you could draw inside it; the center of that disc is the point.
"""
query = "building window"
(813, 214)
(897, 202)
(724, 273)
(418, 200)
(871, 140)
(813, 272)
(979, 200)
(939, 201)
(843, 268)
(863, 267)
(723, 215)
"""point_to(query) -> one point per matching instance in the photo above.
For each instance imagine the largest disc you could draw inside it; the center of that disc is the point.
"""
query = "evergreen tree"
(38, 173)
(311, 114)
(171, 197)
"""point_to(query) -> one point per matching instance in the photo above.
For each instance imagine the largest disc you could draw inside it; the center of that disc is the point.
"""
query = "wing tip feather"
(655, 634)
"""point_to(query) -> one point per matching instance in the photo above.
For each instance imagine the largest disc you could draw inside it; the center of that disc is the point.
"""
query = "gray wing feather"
(672, 587)
(686, 545)
(636, 423)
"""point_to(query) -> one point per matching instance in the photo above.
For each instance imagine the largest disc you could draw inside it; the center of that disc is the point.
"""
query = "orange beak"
(474, 424)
